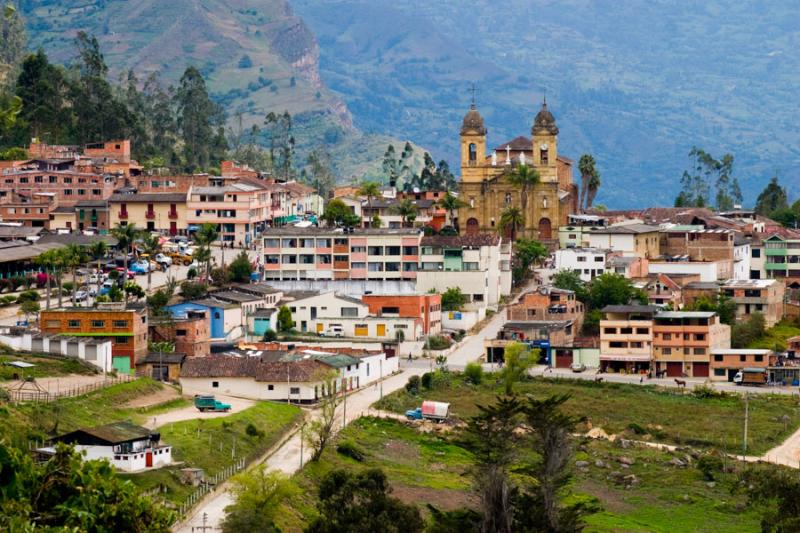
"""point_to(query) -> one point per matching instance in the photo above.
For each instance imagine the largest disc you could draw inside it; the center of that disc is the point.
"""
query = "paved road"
(287, 457)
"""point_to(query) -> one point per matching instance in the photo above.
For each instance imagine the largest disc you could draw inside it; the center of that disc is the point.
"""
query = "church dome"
(473, 122)
(544, 122)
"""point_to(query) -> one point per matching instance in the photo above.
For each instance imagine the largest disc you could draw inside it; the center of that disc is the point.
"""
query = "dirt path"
(60, 384)
(190, 412)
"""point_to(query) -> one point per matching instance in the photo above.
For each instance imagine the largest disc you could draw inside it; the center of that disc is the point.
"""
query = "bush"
(474, 373)
(191, 290)
(253, 431)
(191, 274)
(67, 287)
(709, 465)
(636, 428)
(438, 342)
(270, 335)
(706, 392)
(412, 386)
(114, 274)
(349, 449)
(28, 296)
(427, 380)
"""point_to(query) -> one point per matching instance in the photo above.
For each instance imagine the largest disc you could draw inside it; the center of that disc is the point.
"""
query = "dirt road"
(190, 412)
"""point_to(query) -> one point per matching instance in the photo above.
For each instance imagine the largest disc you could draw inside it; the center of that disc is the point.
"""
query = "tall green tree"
(511, 218)
(588, 170)
(196, 113)
(452, 203)
(337, 213)
(517, 360)
(205, 237)
(257, 497)
(126, 237)
(611, 289)
(98, 250)
(13, 39)
(281, 142)
(42, 88)
(772, 198)
(359, 502)
(389, 166)
(370, 190)
(151, 245)
(407, 210)
(321, 175)
(241, 268)
(74, 257)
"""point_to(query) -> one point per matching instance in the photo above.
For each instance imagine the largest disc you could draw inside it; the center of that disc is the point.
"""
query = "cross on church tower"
(474, 91)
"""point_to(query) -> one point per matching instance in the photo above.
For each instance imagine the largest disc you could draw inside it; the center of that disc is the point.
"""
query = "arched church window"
(473, 152)
(543, 155)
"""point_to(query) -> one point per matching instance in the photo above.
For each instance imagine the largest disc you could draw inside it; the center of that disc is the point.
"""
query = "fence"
(45, 396)
(209, 485)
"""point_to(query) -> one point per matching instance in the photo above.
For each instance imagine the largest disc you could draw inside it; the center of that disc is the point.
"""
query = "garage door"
(674, 370)
(700, 370)
(361, 330)
(563, 361)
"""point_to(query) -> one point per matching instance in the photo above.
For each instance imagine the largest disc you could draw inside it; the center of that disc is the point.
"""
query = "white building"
(741, 258)
(707, 270)
(586, 262)
(94, 351)
(128, 447)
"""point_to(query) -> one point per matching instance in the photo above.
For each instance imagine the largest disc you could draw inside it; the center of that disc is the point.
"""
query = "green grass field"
(775, 337)
(432, 468)
(215, 443)
(639, 412)
(45, 366)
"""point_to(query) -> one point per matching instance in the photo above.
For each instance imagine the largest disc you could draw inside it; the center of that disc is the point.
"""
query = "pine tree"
(195, 112)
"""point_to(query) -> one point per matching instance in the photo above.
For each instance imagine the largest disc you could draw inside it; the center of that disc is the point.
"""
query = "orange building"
(126, 326)
(191, 335)
(547, 304)
(683, 342)
(426, 307)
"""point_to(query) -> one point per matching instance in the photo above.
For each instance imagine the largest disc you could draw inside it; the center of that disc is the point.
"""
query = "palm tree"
(74, 256)
(98, 250)
(451, 204)
(206, 235)
(407, 210)
(594, 185)
(48, 262)
(587, 170)
(370, 189)
(151, 245)
(511, 217)
(126, 236)
(525, 178)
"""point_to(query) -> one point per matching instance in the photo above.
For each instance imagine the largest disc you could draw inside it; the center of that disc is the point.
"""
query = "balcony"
(122, 215)
(173, 215)
(341, 265)
(150, 215)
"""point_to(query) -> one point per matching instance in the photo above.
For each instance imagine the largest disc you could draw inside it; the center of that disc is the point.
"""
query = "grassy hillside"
(256, 55)
(635, 83)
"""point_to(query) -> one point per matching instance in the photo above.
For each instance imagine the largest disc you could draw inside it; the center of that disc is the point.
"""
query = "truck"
(751, 376)
(430, 410)
(205, 402)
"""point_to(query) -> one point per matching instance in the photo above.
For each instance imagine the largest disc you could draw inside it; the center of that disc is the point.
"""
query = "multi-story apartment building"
(726, 362)
(31, 211)
(93, 215)
(588, 263)
(684, 340)
(126, 326)
(641, 240)
(781, 257)
(576, 233)
(328, 254)
(546, 304)
(240, 210)
(425, 307)
(765, 296)
(727, 248)
(626, 338)
(478, 264)
(162, 212)
(67, 186)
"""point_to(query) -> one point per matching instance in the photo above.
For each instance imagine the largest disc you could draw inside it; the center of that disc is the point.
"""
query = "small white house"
(128, 447)
(588, 263)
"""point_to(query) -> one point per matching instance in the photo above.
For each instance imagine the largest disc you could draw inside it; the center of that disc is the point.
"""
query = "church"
(487, 191)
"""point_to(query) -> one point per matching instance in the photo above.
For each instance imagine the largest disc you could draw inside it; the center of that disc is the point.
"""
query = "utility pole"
(301, 445)
(746, 415)
(204, 527)
(380, 361)
(344, 413)
(288, 388)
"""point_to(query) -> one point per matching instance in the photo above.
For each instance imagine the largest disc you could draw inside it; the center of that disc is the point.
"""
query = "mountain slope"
(256, 55)
(635, 83)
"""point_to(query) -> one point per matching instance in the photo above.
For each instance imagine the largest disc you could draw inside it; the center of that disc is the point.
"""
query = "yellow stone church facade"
(485, 188)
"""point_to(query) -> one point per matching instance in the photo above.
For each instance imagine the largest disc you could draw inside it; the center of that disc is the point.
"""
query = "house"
(161, 366)
(128, 447)
(479, 264)
(191, 333)
(640, 240)
(726, 362)
(588, 263)
(240, 210)
(765, 296)
(537, 334)
(308, 307)
(666, 289)
(93, 351)
(546, 304)
(707, 270)
(701, 245)
(425, 307)
(683, 342)
(261, 321)
(164, 212)
(226, 318)
(626, 338)
(30, 210)
(576, 233)
(92, 215)
(125, 325)
(628, 266)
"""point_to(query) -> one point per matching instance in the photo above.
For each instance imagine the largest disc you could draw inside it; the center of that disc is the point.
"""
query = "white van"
(333, 331)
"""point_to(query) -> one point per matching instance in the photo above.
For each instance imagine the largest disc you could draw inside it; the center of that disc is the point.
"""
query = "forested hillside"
(637, 84)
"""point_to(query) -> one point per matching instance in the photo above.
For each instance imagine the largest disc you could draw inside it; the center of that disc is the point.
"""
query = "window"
(216, 315)
(759, 358)
(610, 331)
(582, 259)
(215, 384)
(358, 249)
(122, 340)
(718, 357)
(67, 180)
(97, 192)
(98, 323)
(743, 358)
(642, 331)
(598, 259)
(756, 252)
(626, 331)
(719, 371)
(477, 297)
(37, 179)
(74, 323)
(67, 192)
(637, 344)
(699, 351)
(666, 351)
(53, 323)
(618, 344)
(392, 250)
(666, 336)
(375, 250)
(120, 323)
(294, 390)
(700, 337)
(349, 312)
(180, 332)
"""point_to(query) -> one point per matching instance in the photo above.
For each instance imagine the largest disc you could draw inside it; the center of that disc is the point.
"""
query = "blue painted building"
(214, 309)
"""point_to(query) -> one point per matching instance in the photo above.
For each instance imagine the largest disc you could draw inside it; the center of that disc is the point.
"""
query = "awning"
(192, 227)
(626, 358)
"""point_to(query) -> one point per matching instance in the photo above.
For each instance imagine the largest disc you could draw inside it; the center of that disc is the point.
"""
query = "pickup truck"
(438, 411)
(751, 376)
(209, 403)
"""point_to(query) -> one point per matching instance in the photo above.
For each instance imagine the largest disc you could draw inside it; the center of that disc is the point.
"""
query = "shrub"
(28, 296)
(349, 449)
(191, 274)
(706, 392)
(709, 464)
(253, 431)
(67, 287)
(636, 428)
(438, 342)
(114, 274)
(191, 290)
(412, 386)
(270, 335)
(474, 373)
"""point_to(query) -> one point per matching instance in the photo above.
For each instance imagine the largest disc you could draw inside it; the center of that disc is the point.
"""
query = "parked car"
(209, 403)
(97, 278)
(577, 367)
(333, 331)
(141, 267)
(430, 410)
(162, 259)
(81, 296)
(106, 287)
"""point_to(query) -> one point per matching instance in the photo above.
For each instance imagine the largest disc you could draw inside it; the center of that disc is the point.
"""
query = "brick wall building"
(190, 334)
(547, 303)
(683, 342)
(426, 307)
